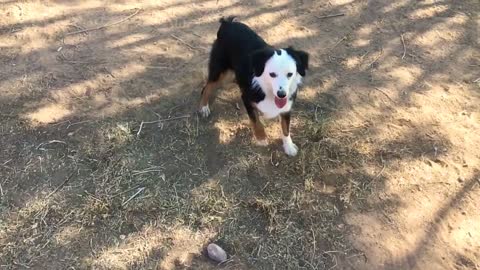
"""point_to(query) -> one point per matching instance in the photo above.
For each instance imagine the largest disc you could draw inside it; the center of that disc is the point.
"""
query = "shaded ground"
(388, 121)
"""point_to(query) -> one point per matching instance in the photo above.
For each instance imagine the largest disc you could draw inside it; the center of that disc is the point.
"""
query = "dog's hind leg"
(207, 92)
(217, 71)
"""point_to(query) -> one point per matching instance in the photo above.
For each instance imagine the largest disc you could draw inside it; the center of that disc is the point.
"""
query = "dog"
(267, 77)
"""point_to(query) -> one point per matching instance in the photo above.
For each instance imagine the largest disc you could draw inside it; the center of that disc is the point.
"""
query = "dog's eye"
(273, 75)
(290, 74)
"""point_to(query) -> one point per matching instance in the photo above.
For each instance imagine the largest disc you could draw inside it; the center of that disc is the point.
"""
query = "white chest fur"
(267, 106)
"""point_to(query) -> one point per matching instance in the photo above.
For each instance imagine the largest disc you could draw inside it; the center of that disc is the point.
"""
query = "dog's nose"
(281, 93)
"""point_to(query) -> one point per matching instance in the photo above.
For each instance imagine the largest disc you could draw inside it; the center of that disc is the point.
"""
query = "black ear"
(301, 58)
(259, 58)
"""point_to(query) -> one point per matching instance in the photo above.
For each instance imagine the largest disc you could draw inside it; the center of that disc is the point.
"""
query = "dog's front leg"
(257, 126)
(288, 146)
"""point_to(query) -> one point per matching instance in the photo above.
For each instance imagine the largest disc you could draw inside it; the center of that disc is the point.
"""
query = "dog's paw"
(205, 111)
(263, 142)
(289, 147)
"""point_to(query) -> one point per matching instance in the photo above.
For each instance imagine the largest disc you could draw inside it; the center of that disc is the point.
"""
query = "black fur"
(301, 59)
(259, 58)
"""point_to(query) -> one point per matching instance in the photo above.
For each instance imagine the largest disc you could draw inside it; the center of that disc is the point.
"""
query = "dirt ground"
(388, 124)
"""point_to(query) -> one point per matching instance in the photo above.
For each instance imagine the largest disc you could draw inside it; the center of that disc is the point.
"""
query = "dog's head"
(278, 70)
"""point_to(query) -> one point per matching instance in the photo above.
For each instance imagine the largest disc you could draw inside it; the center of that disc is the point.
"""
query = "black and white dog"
(267, 77)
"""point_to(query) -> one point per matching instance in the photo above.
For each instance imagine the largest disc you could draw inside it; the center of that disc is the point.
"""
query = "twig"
(50, 142)
(60, 186)
(378, 175)
(1, 190)
(184, 162)
(159, 121)
(329, 16)
(334, 251)
(157, 67)
(314, 242)
(376, 58)
(185, 43)
(123, 192)
(335, 259)
(76, 26)
(404, 47)
(176, 194)
(103, 26)
(6, 162)
(384, 94)
(133, 196)
(108, 71)
(77, 123)
(338, 42)
(146, 171)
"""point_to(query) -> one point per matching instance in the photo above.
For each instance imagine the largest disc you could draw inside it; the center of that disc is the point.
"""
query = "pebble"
(216, 253)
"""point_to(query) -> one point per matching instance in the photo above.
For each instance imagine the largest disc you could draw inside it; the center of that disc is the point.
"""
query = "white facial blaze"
(275, 74)
(280, 65)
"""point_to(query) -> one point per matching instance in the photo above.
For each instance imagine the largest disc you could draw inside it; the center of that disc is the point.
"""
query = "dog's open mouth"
(280, 102)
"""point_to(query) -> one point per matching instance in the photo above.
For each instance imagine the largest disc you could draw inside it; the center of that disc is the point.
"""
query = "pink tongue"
(280, 102)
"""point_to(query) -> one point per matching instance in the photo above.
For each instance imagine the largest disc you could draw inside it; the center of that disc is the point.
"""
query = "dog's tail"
(225, 23)
(228, 19)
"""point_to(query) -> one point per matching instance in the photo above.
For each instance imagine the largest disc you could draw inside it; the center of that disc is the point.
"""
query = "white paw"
(205, 111)
(263, 142)
(289, 147)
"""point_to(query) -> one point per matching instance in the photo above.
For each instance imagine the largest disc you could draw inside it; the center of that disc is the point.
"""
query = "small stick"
(185, 43)
(61, 186)
(78, 123)
(133, 196)
(338, 42)
(76, 26)
(1, 190)
(159, 121)
(146, 171)
(329, 16)
(384, 94)
(404, 47)
(334, 251)
(376, 58)
(5, 163)
(103, 26)
(378, 175)
(314, 242)
(123, 192)
(157, 67)
(184, 162)
(50, 142)
(108, 71)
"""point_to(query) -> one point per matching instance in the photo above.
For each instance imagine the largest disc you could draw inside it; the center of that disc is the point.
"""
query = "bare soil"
(388, 124)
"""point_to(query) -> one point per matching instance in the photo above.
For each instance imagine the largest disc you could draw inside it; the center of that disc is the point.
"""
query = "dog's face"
(277, 70)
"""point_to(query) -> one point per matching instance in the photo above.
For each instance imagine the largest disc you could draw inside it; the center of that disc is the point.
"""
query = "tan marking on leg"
(259, 131)
(285, 126)
(209, 88)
